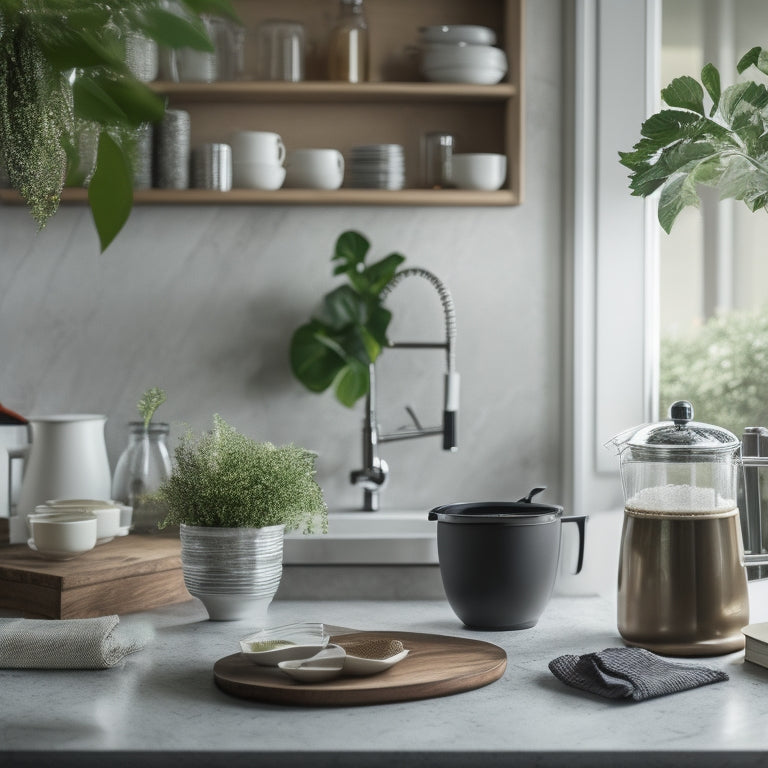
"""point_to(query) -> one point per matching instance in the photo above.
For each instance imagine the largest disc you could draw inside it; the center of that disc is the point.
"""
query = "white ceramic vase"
(234, 572)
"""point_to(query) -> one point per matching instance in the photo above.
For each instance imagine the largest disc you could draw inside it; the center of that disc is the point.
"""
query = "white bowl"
(107, 514)
(478, 170)
(62, 536)
(314, 169)
(477, 64)
(458, 33)
(326, 665)
(247, 175)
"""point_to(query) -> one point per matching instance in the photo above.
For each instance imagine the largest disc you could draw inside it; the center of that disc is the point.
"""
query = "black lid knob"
(681, 412)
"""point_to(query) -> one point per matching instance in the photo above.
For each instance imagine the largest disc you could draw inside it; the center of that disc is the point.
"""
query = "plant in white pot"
(233, 499)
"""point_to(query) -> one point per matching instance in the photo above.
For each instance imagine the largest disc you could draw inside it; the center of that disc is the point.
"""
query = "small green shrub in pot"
(233, 498)
(225, 479)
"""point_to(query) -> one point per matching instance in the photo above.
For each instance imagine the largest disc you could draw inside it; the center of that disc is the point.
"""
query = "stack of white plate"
(376, 166)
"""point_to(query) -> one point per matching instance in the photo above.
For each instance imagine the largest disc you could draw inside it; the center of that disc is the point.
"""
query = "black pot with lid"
(499, 559)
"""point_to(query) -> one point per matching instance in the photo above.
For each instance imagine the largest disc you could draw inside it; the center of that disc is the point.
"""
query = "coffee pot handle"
(580, 521)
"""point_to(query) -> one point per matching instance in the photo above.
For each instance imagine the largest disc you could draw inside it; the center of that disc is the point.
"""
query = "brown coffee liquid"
(682, 585)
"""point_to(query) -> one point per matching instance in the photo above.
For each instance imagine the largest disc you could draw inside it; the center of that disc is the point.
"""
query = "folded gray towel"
(631, 673)
(67, 644)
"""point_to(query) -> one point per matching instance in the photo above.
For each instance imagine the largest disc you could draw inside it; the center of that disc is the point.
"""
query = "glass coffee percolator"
(682, 580)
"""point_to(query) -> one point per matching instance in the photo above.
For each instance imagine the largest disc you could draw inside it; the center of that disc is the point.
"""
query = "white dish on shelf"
(474, 64)
(458, 33)
(290, 642)
(326, 665)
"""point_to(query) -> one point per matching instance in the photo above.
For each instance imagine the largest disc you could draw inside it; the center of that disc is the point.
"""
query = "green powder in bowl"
(258, 646)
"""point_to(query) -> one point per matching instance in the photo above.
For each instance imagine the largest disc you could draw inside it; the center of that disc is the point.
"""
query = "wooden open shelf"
(415, 197)
(323, 91)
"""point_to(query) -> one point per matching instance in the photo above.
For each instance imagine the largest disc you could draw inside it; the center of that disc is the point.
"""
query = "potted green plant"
(63, 72)
(723, 144)
(349, 330)
(233, 499)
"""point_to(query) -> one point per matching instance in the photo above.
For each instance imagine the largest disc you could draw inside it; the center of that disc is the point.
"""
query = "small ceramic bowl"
(62, 536)
(326, 665)
(107, 514)
(288, 642)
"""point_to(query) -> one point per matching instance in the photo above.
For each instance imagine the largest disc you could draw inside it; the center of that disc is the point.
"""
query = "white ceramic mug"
(314, 169)
(257, 147)
(478, 170)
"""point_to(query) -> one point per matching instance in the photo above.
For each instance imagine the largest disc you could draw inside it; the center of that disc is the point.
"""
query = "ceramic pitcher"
(67, 458)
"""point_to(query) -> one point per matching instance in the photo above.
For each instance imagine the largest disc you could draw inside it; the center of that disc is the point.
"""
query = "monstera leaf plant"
(349, 330)
(722, 143)
(63, 72)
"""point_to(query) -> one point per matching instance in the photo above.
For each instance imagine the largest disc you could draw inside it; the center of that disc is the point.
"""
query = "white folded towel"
(68, 643)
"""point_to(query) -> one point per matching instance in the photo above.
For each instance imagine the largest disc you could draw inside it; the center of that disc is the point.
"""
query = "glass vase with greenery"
(225, 479)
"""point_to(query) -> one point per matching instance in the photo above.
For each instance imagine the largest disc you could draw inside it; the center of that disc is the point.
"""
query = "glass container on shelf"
(348, 48)
(142, 468)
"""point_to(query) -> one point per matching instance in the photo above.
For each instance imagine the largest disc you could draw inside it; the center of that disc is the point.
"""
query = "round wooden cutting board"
(436, 665)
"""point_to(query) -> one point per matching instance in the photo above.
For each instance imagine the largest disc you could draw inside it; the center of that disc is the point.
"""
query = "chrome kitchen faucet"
(375, 473)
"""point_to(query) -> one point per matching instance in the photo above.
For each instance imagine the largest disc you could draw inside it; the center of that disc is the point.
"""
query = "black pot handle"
(580, 521)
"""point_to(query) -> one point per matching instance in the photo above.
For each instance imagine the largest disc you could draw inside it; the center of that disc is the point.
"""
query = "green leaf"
(150, 401)
(78, 48)
(314, 363)
(378, 321)
(748, 59)
(220, 8)
(110, 192)
(743, 98)
(92, 102)
(676, 195)
(378, 274)
(686, 93)
(342, 307)
(351, 248)
(352, 383)
(710, 77)
(136, 100)
(175, 31)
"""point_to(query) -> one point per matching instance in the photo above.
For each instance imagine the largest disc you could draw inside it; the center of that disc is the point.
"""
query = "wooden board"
(437, 665)
(131, 573)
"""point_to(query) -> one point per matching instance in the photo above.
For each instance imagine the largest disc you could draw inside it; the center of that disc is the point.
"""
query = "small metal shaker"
(142, 157)
(212, 167)
(172, 147)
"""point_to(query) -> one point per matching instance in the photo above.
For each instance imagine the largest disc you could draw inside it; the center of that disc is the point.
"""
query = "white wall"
(202, 302)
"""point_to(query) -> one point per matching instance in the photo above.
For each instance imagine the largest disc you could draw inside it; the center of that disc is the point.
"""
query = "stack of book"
(756, 646)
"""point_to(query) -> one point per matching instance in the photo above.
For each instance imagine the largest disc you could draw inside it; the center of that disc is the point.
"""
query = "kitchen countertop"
(161, 706)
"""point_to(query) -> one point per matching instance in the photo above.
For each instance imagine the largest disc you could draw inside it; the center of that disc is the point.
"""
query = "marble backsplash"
(202, 302)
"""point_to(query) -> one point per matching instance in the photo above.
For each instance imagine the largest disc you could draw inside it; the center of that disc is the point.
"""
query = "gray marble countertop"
(161, 706)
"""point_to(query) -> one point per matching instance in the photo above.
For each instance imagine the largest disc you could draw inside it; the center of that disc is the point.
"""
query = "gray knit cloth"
(631, 673)
(67, 644)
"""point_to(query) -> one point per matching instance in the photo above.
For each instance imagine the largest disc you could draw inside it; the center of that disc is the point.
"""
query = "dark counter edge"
(402, 759)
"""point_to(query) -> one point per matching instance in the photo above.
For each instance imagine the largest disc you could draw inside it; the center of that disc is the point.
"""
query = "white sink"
(367, 538)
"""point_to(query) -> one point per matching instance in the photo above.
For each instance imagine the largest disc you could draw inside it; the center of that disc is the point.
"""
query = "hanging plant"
(62, 72)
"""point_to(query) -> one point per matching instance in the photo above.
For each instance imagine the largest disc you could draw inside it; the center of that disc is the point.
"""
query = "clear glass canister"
(142, 468)
(682, 583)
(348, 47)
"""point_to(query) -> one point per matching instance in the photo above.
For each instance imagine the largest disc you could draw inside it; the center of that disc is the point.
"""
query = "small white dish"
(107, 514)
(360, 667)
(326, 665)
(62, 536)
(288, 642)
